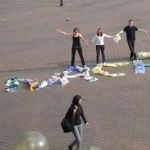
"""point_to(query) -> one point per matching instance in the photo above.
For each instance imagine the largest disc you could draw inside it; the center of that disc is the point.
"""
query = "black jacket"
(76, 117)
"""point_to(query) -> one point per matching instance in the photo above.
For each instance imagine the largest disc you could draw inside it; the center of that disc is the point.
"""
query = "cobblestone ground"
(116, 108)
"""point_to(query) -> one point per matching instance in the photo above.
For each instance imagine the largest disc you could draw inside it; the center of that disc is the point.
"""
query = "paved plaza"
(117, 109)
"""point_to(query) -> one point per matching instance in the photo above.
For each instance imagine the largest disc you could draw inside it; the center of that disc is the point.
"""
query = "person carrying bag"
(72, 121)
(69, 120)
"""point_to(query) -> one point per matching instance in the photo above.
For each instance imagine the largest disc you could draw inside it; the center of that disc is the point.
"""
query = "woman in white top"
(99, 40)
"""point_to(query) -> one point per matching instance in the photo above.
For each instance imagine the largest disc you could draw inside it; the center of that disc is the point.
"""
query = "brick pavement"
(116, 108)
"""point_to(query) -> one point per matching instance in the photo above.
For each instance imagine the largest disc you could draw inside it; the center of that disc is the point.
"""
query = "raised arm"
(120, 32)
(142, 30)
(93, 40)
(68, 34)
(109, 36)
(83, 40)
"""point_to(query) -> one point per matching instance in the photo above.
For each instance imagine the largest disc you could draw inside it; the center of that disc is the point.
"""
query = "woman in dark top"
(76, 44)
(75, 112)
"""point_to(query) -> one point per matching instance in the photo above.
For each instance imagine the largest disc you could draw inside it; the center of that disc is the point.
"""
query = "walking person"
(131, 37)
(99, 40)
(76, 46)
(76, 111)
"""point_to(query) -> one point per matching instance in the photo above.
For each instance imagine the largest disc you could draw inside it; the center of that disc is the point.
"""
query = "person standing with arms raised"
(76, 46)
(99, 41)
(131, 37)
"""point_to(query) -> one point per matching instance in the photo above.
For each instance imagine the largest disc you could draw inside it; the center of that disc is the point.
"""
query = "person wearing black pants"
(131, 37)
(98, 49)
(131, 47)
(79, 49)
(76, 46)
(76, 112)
(99, 39)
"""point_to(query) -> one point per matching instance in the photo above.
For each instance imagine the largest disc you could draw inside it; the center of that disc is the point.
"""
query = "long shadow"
(59, 67)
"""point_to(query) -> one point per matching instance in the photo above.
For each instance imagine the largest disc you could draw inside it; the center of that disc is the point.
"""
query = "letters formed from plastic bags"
(98, 69)
(49, 81)
(11, 85)
(143, 55)
(64, 81)
(139, 67)
(72, 68)
(83, 72)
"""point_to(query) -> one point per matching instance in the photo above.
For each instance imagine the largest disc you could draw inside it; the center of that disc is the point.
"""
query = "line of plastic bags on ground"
(84, 72)
(13, 83)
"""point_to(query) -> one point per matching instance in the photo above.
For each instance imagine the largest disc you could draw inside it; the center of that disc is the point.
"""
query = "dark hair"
(75, 29)
(130, 20)
(101, 34)
(76, 99)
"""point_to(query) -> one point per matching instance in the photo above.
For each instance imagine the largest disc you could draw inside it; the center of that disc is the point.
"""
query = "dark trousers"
(61, 2)
(79, 49)
(131, 47)
(98, 49)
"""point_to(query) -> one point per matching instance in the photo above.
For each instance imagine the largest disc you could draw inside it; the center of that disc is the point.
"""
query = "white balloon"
(32, 141)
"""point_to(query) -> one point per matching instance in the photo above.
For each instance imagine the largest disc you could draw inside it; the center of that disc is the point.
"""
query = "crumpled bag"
(49, 81)
(139, 67)
(70, 69)
(143, 55)
(11, 85)
(117, 38)
(64, 81)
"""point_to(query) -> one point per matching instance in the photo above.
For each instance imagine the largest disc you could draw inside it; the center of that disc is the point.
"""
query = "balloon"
(90, 148)
(32, 141)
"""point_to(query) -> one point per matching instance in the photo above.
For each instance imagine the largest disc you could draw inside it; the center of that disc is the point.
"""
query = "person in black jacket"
(130, 34)
(75, 112)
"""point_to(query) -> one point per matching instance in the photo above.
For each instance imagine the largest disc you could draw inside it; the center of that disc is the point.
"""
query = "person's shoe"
(70, 148)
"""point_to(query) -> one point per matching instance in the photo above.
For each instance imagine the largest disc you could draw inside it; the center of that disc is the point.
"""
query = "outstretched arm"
(109, 36)
(142, 30)
(60, 31)
(120, 32)
(93, 40)
(84, 40)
